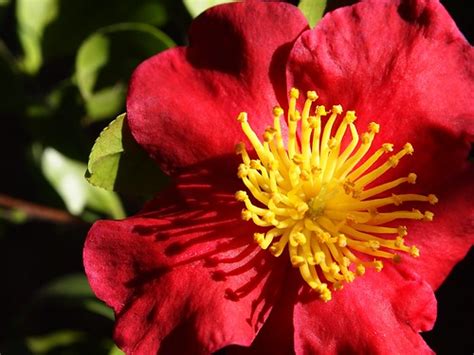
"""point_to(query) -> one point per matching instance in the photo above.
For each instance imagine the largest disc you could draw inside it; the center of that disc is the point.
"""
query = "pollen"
(316, 193)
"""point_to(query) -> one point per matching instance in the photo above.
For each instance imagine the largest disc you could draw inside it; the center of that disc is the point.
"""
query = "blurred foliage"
(64, 69)
(195, 8)
(107, 57)
(114, 155)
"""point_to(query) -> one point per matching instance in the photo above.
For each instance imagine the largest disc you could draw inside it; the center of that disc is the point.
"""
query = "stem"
(36, 211)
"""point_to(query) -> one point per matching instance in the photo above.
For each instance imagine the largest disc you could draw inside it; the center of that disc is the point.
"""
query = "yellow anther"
(387, 147)
(414, 251)
(342, 240)
(348, 187)
(277, 111)
(338, 286)
(259, 238)
(312, 95)
(349, 276)
(297, 261)
(276, 249)
(298, 159)
(346, 261)
(373, 244)
(428, 216)
(408, 148)
(241, 196)
(402, 231)
(332, 143)
(374, 127)
(300, 238)
(239, 148)
(255, 164)
(246, 215)
(316, 191)
(325, 296)
(412, 178)
(313, 284)
(334, 269)
(319, 257)
(360, 270)
(305, 175)
(324, 293)
(378, 265)
(350, 116)
(294, 93)
(337, 109)
(432, 199)
(397, 201)
(315, 170)
(399, 242)
(350, 218)
(243, 171)
(323, 237)
(273, 165)
(321, 110)
(269, 134)
(242, 117)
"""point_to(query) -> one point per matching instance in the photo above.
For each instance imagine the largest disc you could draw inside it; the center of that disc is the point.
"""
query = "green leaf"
(73, 285)
(44, 344)
(33, 16)
(55, 28)
(313, 10)
(196, 7)
(75, 289)
(67, 177)
(116, 351)
(118, 163)
(11, 86)
(106, 60)
(97, 307)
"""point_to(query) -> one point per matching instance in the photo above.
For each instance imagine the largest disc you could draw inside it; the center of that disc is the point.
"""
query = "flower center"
(317, 196)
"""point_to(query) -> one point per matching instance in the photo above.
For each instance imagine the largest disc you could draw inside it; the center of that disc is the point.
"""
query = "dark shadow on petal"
(181, 335)
(203, 228)
(277, 73)
(203, 53)
(414, 11)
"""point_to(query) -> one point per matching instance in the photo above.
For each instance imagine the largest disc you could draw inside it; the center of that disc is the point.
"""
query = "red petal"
(380, 313)
(189, 270)
(447, 239)
(183, 103)
(276, 336)
(403, 64)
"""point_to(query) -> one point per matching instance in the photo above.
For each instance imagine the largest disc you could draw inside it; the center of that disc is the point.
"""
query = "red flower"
(184, 276)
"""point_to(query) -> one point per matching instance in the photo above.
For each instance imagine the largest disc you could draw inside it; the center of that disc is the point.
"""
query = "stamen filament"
(313, 200)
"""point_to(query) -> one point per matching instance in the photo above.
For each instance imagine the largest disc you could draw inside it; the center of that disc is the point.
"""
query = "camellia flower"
(321, 243)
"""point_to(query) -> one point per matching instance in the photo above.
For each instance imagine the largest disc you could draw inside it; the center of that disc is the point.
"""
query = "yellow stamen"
(313, 196)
